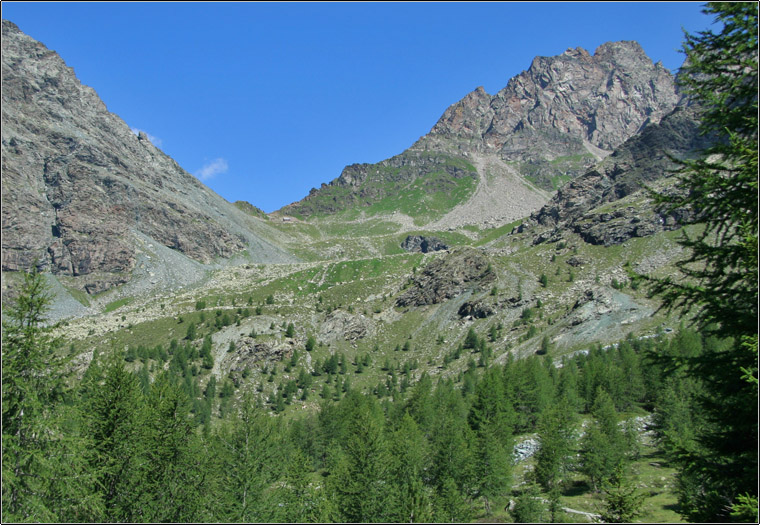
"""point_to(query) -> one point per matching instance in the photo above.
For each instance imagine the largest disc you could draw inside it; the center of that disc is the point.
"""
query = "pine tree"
(419, 403)
(112, 405)
(410, 458)
(492, 419)
(491, 407)
(528, 507)
(677, 417)
(603, 444)
(471, 339)
(567, 386)
(452, 440)
(493, 464)
(360, 478)
(621, 502)
(247, 458)
(166, 484)
(297, 500)
(190, 335)
(545, 346)
(450, 505)
(632, 385)
(530, 389)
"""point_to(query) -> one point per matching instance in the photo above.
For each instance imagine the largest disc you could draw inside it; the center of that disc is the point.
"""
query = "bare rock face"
(601, 308)
(448, 277)
(641, 160)
(600, 99)
(479, 309)
(78, 184)
(343, 325)
(423, 244)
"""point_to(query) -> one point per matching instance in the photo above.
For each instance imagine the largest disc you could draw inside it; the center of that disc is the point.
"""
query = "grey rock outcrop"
(477, 309)
(343, 325)
(640, 161)
(79, 187)
(599, 309)
(423, 244)
(448, 277)
(526, 448)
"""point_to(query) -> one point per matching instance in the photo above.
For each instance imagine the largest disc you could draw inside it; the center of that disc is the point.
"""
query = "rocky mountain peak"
(550, 124)
(621, 51)
(467, 118)
(600, 99)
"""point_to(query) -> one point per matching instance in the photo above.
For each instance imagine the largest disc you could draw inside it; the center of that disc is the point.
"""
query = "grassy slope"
(365, 288)
(355, 271)
(422, 187)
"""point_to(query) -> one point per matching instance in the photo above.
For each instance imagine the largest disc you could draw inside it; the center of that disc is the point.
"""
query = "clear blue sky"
(264, 101)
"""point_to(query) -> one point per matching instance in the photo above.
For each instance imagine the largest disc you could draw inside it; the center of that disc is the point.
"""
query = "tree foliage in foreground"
(45, 475)
(720, 186)
(719, 284)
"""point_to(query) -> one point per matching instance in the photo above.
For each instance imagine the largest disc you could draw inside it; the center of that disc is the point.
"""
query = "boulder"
(422, 244)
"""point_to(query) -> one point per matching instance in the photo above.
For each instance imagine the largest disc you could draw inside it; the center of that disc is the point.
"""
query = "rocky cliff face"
(550, 123)
(423, 244)
(81, 192)
(587, 206)
(563, 114)
(600, 99)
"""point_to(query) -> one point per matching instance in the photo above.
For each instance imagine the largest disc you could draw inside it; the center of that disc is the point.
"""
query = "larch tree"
(719, 276)
(43, 471)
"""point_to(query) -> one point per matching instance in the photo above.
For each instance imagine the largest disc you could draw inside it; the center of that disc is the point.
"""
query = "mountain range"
(533, 199)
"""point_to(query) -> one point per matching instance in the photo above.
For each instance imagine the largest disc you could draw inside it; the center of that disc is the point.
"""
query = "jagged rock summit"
(550, 124)
(84, 196)
(596, 101)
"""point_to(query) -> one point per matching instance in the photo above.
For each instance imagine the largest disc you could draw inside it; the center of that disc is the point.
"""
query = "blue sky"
(263, 101)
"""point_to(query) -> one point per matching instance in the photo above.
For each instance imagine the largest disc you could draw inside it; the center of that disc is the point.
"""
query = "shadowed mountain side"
(642, 160)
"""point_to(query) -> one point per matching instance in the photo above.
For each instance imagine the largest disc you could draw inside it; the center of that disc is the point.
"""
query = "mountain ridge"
(551, 122)
(96, 187)
(641, 161)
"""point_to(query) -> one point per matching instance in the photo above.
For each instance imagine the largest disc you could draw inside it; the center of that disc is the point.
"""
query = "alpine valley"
(513, 229)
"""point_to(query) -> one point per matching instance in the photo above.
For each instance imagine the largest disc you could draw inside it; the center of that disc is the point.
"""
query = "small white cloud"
(152, 138)
(212, 169)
